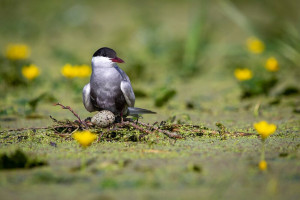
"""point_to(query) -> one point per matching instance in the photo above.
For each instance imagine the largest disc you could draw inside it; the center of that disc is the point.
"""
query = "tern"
(110, 87)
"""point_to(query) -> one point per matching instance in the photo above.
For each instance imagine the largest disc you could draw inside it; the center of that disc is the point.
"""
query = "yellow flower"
(255, 45)
(68, 71)
(272, 64)
(81, 71)
(263, 165)
(84, 138)
(84, 71)
(265, 129)
(17, 51)
(243, 74)
(30, 72)
(76, 70)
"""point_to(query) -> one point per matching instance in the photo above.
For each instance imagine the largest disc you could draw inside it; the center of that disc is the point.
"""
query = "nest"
(133, 130)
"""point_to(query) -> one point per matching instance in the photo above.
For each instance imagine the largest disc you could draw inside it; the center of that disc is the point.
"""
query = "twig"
(23, 129)
(72, 111)
(181, 125)
(99, 138)
(244, 134)
(128, 124)
(53, 119)
(36, 128)
(169, 134)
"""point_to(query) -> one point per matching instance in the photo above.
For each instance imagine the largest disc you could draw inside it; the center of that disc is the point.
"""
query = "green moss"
(18, 159)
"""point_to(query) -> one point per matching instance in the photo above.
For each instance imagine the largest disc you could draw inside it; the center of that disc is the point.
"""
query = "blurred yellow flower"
(265, 129)
(76, 70)
(263, 165)
(17, 51)
(243, 74)
(81, 71)
(255, 45)
(84, 138)
(68, 71)
(84, 71)
(30, 72)
(272, 64)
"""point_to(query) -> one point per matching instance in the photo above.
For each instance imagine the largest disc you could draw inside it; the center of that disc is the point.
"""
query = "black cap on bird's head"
(109, 53)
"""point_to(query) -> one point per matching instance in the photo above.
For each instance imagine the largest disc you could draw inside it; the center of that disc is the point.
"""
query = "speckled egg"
(103, 118)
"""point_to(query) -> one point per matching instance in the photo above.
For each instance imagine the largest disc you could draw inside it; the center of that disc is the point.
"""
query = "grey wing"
(128, 93)
(126, 88)
(123, 74)
(86, 98)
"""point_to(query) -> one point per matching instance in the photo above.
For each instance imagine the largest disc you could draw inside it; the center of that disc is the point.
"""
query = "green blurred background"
(180, 55)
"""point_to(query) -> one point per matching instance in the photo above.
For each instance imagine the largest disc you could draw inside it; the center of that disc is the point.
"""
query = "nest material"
(132, 130)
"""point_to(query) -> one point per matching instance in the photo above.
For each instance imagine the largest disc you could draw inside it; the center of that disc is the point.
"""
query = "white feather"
(86, 98)
(102, 62)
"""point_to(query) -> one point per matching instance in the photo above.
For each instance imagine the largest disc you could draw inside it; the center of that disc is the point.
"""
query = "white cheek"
(101, 62)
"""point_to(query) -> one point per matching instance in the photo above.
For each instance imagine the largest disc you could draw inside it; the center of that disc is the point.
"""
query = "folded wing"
(128, 93)
(86, 98)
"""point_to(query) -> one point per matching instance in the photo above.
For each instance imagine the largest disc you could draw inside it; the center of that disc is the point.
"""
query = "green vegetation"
(219, 65)
(18, 160)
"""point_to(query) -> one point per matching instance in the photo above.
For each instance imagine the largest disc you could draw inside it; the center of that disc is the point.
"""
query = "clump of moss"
(222, 130)
(163, 95)
(18, 159)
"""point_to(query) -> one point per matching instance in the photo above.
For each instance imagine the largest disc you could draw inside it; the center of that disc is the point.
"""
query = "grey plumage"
(136, 111)
(110, 87)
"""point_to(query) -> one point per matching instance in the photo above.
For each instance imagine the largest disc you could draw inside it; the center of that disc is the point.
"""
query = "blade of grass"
(194, 39)
(237, 16)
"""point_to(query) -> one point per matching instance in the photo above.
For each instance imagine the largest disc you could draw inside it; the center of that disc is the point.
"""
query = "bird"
(110, 87)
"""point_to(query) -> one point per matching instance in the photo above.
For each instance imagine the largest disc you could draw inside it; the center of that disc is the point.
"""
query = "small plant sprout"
(30, 72)
(272, 64)
(264, 130)
(84, 138)
(255, 45)
(17, 51)
(243, 74)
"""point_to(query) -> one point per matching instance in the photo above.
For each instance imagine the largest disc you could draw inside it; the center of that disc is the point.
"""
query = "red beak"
(118, 60)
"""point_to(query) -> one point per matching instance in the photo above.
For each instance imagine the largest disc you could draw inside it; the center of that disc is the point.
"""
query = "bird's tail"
(137, 111)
